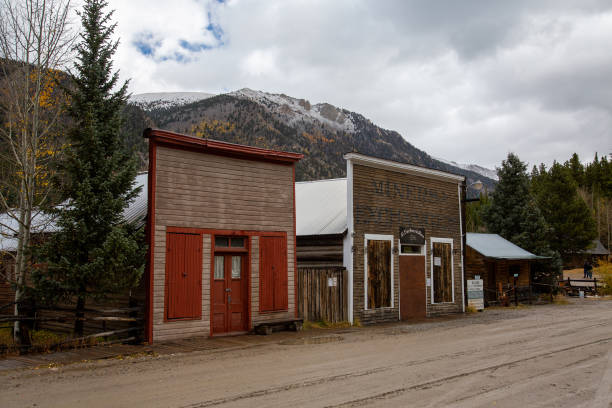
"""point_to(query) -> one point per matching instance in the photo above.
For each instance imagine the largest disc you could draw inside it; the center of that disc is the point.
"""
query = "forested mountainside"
(322, 132)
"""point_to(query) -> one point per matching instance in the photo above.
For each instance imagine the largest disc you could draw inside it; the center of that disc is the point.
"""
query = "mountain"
(492, 174)
(322, 132)
(162, 100)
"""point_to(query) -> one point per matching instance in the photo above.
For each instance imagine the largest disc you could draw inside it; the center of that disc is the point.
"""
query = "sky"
(468, 81)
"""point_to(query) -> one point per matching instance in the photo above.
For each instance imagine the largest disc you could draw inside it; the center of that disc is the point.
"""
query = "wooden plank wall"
(320, 251)
(317, 301)
(198, 190)
(7, 294)
(384, 200)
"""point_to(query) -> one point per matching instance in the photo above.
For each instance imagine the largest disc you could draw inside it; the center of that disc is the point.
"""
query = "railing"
(101, 326)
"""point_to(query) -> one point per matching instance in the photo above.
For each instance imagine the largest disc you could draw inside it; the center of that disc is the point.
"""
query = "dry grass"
(604, 270)
(470, 309)
(41, 340)
(560, 300)
(327, 325)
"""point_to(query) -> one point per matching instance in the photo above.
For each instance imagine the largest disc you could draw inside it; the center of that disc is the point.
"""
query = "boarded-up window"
(183, 275)
(442, 272)
(379, 274)
(273, 277)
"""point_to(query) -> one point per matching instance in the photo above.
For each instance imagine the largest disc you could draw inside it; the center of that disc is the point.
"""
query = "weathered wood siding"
(317, 301)
(198, 190)
(477, 264)
(320, 251)
(384, 200)
(7, 294)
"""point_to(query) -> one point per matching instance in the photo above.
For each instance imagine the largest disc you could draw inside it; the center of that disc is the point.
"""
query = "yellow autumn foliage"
(213, 127)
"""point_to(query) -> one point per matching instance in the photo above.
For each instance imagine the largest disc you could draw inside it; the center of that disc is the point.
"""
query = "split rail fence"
(105, 325)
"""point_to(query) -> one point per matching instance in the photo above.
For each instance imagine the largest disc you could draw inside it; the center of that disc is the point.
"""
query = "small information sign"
(437, 261)
(332, 282)
(475, 292)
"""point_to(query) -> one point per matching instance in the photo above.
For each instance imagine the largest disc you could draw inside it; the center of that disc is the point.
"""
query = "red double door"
(229, 293)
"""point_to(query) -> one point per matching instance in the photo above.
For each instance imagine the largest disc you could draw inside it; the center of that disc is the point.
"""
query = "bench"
(573, 287)
(269, 327)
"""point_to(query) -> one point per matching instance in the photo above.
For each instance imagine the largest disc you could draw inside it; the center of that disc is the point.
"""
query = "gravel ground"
(548, 356)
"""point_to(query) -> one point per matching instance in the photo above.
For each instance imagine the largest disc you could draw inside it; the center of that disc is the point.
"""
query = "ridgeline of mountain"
(322, 132)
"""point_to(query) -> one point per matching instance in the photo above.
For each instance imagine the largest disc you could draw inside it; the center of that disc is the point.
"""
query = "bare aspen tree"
(35, 42)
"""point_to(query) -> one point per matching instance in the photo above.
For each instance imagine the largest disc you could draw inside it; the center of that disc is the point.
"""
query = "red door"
(183, 276)
(230, 294)
(413, 295)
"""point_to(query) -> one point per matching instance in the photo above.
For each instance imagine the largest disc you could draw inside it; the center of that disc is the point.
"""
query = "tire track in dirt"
(439, 381)
(582, 362)
(340, 377)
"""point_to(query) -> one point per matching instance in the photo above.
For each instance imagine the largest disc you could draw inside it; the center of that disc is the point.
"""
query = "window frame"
(230, 248)
(431, 269)
(422, 253)
(377, 237)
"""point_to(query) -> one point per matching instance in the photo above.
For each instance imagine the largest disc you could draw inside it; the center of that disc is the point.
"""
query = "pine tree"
(513, 213)
(571, 221)
(94, 253)
(576, 169)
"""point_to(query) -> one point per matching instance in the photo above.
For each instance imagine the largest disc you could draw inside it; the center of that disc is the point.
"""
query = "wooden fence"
(323, 294)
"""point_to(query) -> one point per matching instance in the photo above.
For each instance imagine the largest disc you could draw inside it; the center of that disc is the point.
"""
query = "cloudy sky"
(463, 80)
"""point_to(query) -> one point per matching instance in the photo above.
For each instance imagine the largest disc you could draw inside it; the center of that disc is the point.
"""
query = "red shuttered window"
(183, 276)
(273, 286)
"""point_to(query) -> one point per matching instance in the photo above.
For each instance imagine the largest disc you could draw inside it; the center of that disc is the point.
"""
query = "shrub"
(604, 270)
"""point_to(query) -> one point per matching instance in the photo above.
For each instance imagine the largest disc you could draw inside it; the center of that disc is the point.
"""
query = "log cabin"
(495, 260)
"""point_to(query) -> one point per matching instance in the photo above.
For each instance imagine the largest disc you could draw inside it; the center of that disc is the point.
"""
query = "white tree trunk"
(34, 41)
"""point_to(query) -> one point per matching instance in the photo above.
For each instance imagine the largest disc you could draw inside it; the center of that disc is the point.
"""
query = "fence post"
(132, 303)
(530, 295)
(515, 294)
(595, 282)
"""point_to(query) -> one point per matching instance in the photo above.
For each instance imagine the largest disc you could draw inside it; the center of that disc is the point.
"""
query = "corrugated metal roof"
(41, 222)
(320, 207)
(597, 248)
(494, 246)
(137, 210)
(134, 214)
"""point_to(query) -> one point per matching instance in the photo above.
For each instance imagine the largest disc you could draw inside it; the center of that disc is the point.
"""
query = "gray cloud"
(468, 81)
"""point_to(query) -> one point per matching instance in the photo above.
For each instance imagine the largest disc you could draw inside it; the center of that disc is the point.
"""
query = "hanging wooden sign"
(412, 236)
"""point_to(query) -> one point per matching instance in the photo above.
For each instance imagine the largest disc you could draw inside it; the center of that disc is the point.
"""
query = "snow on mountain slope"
(294, 110)
(492, 174)
(160, 100)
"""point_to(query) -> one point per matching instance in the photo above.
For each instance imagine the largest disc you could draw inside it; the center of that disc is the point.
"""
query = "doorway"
(413, 294)
(229, 293)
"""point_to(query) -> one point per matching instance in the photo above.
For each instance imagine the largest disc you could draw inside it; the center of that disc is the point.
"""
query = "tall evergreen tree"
(94, 253)
(571, 222)
(576, 169)
(513, 212)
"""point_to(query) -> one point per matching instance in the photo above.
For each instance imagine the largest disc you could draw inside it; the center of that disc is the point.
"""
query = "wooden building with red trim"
(221, 236)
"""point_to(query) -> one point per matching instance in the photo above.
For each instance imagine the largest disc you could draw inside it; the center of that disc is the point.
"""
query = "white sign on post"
(475, 292)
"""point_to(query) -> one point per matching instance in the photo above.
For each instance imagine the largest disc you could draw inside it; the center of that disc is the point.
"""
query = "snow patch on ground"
(161, 100)
(295, 110)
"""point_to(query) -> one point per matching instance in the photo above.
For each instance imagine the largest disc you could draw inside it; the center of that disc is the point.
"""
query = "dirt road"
(544, 356)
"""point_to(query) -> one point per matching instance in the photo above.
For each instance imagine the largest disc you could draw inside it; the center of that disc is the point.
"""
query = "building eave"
(358, 158)
(180, 141)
